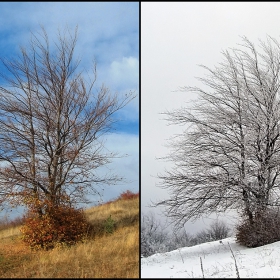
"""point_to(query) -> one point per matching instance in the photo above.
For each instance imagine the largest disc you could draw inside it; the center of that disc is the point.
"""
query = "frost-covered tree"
(153, 235)
(155, 238)
(180, 238)
(228, 157)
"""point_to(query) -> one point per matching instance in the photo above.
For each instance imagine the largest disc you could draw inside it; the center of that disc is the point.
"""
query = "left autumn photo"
(69, 140)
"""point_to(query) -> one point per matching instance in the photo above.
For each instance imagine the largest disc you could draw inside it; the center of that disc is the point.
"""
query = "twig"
(181, 255)
(201, 267)
(236, 268)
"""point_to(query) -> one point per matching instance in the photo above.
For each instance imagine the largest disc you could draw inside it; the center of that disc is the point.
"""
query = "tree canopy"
(228, 155)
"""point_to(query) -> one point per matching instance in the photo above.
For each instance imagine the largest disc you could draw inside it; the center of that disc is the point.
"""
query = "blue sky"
(108, 32)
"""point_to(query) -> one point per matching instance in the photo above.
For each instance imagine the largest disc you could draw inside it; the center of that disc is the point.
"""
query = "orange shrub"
(128, 195)
(60, 224)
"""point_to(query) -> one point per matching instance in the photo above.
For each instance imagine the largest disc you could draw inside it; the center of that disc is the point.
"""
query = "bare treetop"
(228, 156)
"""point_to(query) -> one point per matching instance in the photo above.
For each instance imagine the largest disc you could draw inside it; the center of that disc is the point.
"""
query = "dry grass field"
(111, 250)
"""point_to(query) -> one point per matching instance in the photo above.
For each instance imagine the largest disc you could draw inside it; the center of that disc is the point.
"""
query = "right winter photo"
(210, 140)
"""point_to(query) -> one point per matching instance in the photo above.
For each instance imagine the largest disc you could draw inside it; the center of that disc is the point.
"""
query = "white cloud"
(125, 72)
(125, 144)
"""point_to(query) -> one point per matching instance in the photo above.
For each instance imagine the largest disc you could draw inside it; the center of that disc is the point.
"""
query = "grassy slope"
(102, 255)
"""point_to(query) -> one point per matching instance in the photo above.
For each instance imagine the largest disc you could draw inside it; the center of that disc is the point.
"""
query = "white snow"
(217, 261)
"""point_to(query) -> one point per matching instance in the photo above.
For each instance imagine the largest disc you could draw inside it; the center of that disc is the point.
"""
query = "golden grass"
(9, 232)
(102, 255)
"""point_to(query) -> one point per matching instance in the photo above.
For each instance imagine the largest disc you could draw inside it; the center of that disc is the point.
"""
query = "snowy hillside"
(217, 261)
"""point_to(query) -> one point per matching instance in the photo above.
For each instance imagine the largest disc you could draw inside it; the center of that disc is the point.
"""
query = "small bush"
(264, 229)
(123, 196)
(216, 231)
(128, 195)
(109, 225)
(60, 224)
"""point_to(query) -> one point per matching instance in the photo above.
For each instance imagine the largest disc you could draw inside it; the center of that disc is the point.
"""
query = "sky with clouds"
(176, 37)
(108, 33)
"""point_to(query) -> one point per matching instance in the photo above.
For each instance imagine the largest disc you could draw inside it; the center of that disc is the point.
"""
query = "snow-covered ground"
(215, 259)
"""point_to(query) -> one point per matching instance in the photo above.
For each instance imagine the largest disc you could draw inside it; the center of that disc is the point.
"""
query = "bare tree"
(52, 124)
(228, 155)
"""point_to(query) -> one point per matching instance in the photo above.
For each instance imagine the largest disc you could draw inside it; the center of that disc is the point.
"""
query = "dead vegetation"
(111, 249)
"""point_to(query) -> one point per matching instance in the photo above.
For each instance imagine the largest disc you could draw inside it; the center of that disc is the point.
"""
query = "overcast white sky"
(175, 38)
(108, 32)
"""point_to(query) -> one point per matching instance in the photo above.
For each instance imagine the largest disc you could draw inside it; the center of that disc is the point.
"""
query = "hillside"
(215, 260)
(110, 251)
